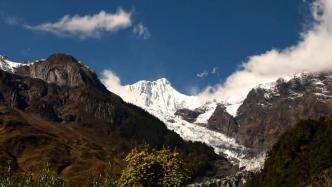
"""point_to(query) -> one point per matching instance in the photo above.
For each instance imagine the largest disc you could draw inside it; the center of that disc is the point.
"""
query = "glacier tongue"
(192, 132)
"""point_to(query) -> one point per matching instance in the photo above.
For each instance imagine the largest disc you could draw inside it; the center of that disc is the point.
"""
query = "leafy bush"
(148, 167)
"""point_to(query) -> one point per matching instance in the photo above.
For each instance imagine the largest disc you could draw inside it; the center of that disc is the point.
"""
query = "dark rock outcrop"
(188, 115)
(223, 122)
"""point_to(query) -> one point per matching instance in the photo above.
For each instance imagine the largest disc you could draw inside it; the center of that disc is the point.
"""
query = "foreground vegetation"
(146, 167)
(302, 157)
(154, 168)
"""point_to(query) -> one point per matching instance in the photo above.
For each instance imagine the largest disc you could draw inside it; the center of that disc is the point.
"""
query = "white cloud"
(113, 83)
(88, 25)
(313, 53)
(141, 31)
(206, 73)
(215, 70)
(202, 74)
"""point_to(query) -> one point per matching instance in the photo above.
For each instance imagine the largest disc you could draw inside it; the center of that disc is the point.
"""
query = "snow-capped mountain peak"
(159, 95)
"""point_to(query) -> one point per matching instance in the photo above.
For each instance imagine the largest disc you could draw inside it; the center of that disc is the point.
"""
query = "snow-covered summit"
(9, 66)
(159, 95)
(299, 84)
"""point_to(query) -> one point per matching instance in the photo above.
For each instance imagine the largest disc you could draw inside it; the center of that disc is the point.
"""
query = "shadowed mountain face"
(57, 112)
(267, 113)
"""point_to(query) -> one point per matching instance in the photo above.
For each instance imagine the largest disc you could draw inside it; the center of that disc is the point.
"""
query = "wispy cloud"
(113, 83)
(205, 73)
(202, 74)
(141, 31)
(11, 20)
(313, 53)
(215, 70)
(87, 26)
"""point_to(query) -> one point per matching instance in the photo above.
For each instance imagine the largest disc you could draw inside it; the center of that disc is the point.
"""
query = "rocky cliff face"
(61, 69)
(53, 96)
(271, 110)
(188, 115)
(223, 122)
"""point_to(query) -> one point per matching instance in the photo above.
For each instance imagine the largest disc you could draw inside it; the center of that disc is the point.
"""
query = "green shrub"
(148, 167)
(299, 156)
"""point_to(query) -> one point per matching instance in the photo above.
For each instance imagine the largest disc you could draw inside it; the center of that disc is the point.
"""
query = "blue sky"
(179, 40)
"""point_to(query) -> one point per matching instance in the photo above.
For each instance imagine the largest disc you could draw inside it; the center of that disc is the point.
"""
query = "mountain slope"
(301, 157)
(57, 109)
